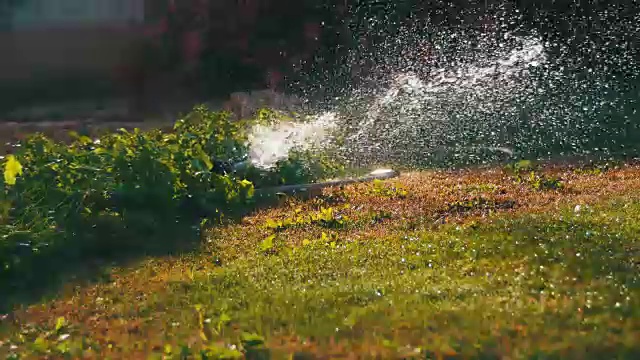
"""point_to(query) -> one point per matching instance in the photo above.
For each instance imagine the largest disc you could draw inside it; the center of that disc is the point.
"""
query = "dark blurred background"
(143, 54)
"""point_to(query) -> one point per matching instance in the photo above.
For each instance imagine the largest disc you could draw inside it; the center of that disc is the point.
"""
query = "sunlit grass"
(430, 265)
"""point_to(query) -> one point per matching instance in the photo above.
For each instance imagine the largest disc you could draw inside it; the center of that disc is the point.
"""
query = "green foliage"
(12, 169)
(540, 181)
(521, 166)
(380, 188)
(597, 168)
(217, 352)
(39, 341)
(267, 244)
(477, 203)
(95, 196)
(526, 172)
(325, 217)
(300, 167)
(379, 216)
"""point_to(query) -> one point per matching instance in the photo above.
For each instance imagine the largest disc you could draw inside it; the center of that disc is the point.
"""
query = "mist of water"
(475, 95)
(272, 143)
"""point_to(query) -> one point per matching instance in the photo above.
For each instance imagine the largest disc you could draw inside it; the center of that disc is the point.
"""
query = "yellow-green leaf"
(12, 169)
(248, 187)
(224, 318)
(267, 244)
(271, 224)
(204, 157)
(60, 323)
(40, 344)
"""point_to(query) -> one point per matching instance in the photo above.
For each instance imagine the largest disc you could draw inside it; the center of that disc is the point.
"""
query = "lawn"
(465, 264)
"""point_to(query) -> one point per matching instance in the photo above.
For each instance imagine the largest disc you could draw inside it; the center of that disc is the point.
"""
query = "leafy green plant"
(540, 182)
(95, 196)
(521, 166)
(300, 167)
(525, 172)
(326, 217)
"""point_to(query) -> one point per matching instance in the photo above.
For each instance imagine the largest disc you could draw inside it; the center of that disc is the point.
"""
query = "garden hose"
(307, 190)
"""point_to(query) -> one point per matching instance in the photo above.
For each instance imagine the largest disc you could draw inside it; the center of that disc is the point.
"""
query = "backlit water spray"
(458, 95)
(272, 143)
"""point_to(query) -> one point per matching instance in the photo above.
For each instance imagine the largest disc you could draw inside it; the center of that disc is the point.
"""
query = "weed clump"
(597, 168)
(326, 217)
(526, 172)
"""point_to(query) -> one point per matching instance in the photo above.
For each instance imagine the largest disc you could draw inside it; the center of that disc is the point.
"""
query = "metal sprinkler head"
(384, 173)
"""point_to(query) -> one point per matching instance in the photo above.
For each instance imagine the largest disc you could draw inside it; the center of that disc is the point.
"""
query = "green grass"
(542, 279)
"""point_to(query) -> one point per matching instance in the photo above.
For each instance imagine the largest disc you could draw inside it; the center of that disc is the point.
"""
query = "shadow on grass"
(85, 259)
(88, 256)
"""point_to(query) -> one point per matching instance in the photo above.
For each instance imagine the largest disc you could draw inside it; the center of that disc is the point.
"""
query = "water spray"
(482, 96)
